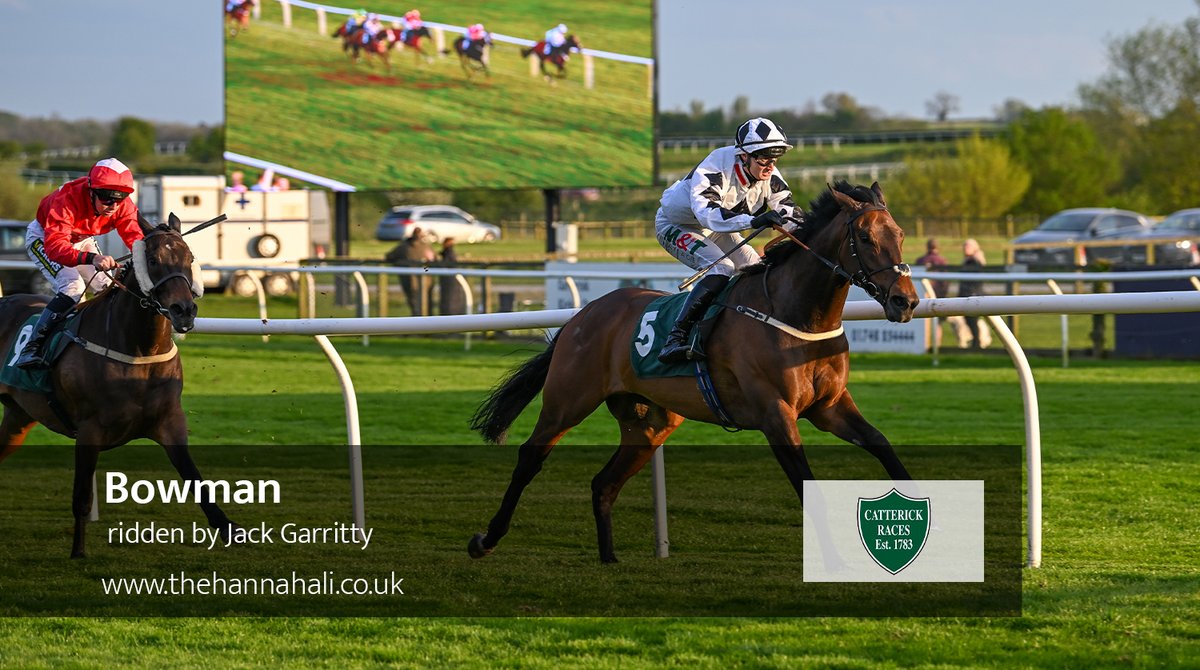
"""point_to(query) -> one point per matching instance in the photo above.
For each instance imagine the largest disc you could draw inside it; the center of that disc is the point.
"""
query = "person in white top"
(703, 214)
(555, 37)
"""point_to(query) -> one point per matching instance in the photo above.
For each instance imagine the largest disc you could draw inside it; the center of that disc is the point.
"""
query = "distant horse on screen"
(558, 56)
(473, 54)
(237, 16)
(412, 39)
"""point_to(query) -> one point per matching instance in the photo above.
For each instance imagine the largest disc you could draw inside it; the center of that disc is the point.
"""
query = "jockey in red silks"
(61, 240)
(701, 216)
(412, 21)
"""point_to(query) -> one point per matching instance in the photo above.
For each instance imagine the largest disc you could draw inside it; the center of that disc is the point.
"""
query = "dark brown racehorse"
(130, 391)
(237, 19)
(412, 39)
(557, 56)
(473, 54)
(765, 378)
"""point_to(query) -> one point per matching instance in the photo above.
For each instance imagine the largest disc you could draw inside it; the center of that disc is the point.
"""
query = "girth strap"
(126, 358)
(794, 332)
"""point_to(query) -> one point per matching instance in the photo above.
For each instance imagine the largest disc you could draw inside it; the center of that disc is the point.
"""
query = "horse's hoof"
(612, 558)
(475, 547)
(78, 554)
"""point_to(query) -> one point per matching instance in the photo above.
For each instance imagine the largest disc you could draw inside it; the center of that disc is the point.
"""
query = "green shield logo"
(893, 528)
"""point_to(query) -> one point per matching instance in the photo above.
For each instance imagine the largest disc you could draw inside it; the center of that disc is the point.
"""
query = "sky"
(161, 59)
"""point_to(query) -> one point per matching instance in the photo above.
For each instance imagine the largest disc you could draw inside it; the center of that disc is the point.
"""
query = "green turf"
(1119, 586)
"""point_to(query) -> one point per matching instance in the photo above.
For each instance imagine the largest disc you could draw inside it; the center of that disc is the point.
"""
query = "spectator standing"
(933, 260)
(451, 297)
(973, 261)
(414, 251)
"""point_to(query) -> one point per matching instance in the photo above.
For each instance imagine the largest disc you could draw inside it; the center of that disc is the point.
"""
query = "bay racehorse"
(237, 16)
(412, 39)
(557, 56)
(473, 54)
(128, 380)
(765, 377)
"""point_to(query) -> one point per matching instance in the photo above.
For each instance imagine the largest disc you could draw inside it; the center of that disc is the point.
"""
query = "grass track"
(1119, 587)
(293, 98)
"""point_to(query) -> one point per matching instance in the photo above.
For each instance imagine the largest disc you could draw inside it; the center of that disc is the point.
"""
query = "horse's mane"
(821, 211)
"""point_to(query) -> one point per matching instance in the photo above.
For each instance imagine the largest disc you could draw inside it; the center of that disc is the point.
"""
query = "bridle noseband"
(147, 300)
(861, 278)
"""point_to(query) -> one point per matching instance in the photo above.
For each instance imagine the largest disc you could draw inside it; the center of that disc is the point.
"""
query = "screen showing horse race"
(473, 94)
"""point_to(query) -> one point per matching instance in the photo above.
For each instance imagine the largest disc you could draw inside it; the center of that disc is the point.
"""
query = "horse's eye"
(864, 237)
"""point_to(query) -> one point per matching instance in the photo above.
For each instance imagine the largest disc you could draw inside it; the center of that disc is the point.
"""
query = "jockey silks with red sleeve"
(702, 215)
(67, 218)
(61, 241)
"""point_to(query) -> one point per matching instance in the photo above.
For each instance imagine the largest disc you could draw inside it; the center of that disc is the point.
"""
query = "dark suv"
(12, 248)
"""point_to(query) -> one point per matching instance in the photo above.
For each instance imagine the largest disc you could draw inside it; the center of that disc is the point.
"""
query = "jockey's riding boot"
(31, 353)
(676, 349)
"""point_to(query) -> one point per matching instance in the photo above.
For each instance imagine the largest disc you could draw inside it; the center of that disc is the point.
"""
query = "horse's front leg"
(844, 420)
(86, 456)
(788, 448)
(182, 460)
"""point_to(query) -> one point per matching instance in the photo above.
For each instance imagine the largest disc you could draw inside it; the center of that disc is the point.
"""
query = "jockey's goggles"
(109, 196)
(764, 162)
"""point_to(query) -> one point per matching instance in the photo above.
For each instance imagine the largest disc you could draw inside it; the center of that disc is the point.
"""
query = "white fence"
(439, 38)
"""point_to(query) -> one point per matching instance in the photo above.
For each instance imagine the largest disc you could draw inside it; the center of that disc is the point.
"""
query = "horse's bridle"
(147, 300)
(861, 278)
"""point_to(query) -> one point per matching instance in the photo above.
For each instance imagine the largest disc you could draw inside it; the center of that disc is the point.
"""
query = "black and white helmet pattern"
(761, 133)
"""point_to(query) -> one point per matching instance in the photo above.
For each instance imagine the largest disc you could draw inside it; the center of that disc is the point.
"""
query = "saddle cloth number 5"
(646, 332)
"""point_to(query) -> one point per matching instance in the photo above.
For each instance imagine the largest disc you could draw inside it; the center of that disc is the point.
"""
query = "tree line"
(1130, 142)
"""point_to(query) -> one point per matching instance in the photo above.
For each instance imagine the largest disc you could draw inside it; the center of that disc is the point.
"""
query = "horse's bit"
(861, 278)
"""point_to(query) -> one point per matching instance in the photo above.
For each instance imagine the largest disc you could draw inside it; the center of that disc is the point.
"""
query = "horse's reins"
(148, 301)
(861, 278)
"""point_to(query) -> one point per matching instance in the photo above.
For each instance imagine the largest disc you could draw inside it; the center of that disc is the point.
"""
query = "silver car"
(437, 222)
(1184, 223)
(1073, 226)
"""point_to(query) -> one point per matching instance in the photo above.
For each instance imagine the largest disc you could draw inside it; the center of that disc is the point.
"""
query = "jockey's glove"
(767, 218)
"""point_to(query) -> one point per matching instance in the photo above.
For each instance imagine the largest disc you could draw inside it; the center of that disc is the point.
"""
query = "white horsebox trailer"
(262, 229)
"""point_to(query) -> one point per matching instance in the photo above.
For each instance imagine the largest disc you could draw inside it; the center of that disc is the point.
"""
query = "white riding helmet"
(761, 136)
(562, 28)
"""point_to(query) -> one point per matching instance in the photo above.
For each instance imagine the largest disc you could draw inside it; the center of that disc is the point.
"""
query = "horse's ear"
(144, 224)
(174, 222)
(878, 193)
(844, 200)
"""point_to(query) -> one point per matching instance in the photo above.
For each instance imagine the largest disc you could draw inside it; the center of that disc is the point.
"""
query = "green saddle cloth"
(656, 323)
(36, 379)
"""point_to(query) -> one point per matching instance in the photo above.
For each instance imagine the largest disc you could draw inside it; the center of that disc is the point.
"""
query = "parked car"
(1079, 225)
(437, 222)
(12, 248)
(1184, 223)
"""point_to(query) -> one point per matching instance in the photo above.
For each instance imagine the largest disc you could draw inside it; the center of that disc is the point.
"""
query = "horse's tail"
(512, 395)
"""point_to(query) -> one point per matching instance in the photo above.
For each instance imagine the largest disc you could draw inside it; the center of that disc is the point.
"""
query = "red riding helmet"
(111, 174)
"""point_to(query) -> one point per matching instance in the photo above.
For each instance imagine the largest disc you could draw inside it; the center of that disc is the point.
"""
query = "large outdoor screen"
(415, 114)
